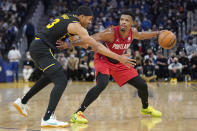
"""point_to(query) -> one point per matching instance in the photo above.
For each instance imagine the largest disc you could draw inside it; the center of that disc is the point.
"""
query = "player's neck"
(124, 33)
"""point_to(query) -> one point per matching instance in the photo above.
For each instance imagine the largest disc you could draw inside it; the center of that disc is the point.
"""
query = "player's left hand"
(61, 45)
(127, 61)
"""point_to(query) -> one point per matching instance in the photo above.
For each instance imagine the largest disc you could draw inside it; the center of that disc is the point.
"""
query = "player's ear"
(83, 16)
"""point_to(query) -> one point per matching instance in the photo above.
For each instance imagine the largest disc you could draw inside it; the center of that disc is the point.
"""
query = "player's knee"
(143, 86)
(63, 80)
(102, 85)
(102, 81)
(59, 78)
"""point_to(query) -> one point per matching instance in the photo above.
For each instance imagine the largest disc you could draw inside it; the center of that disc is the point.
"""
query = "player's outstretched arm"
(74, 42)
(145, 35)
(76, 28)
(106, 35)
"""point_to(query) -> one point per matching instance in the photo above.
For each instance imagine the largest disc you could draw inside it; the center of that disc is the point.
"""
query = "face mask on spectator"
(28, 57)
(72, 55)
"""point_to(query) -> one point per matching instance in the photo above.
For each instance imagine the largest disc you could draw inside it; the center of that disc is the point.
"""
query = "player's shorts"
(43, 57)
(119, 72)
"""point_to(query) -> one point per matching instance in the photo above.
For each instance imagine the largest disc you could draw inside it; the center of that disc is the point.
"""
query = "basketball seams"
(164, 37)
(167, 41)
(172, 37)
(172, 44)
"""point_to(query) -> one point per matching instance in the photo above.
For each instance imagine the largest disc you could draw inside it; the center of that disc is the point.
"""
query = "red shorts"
(119, 72)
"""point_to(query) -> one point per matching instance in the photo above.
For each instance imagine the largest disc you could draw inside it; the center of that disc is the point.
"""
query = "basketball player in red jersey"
(118, 40)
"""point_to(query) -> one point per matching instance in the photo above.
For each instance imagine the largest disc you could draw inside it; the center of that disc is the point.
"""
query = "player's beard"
(122, 30)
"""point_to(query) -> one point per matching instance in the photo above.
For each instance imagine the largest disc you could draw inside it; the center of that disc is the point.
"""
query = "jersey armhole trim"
(75, 22)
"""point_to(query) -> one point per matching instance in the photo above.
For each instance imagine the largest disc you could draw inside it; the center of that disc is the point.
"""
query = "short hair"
(84, 10)
(127, 12)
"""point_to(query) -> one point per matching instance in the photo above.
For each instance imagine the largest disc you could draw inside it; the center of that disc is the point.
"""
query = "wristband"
(68, 41)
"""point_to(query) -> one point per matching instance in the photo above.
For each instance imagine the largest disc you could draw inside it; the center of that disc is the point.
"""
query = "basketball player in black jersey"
(41, 51)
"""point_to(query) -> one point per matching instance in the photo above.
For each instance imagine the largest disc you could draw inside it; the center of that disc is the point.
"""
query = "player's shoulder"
(108, 34)
(69, 16)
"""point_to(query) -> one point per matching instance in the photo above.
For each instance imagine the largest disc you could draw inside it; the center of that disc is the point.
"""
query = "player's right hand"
(124, 59)
(61, 45)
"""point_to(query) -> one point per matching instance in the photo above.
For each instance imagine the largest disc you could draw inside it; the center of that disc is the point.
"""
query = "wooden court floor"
(117, 109)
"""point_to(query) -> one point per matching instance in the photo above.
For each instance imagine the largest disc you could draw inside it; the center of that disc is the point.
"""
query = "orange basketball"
(167, 40)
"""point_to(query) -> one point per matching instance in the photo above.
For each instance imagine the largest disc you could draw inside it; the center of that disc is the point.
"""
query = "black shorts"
(43, 57)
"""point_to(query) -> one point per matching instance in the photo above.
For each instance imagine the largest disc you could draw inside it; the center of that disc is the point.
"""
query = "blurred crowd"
(12, 16)
(151, 15)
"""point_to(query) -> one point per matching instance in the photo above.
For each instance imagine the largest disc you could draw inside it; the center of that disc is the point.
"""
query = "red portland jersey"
(119, 45)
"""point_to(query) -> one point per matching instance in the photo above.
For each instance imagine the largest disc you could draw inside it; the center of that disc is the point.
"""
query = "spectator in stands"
(9, 37)
(188, 36)
(175, 70)
(148, 71)
(170, 60)
(194, 34)
(110, 22)
(47, 3)
(194, 31)
(2, 47)
(29, 31)
(185, 65)
(73, 65)
(14, 57)
(63, 61)
(181, 47)
(161, 66)
(28, 66)
(194, 66)
(83, 68)
(191, 48)
(150, 55)
(12, 15)
(146, 24)
(91, 70)
(139, 61)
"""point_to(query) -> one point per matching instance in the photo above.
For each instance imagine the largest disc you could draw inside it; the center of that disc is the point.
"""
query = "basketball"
(167, 40)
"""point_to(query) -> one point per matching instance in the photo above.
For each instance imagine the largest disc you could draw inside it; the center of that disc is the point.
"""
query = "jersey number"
(53, 23)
